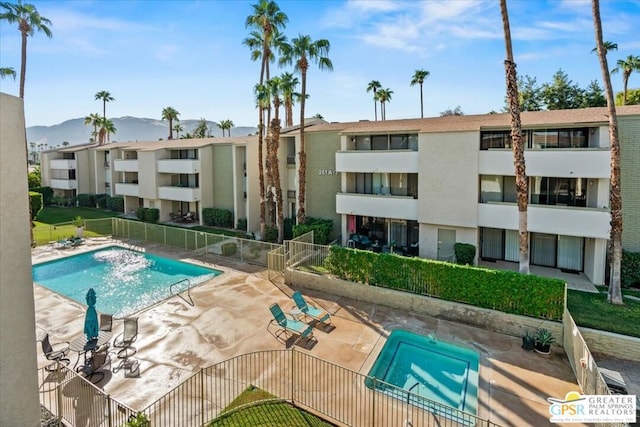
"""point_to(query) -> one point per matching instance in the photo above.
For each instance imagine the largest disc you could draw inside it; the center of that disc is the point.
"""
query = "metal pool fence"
(336, 394)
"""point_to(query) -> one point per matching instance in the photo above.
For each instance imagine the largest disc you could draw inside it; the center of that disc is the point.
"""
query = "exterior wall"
(629, 134)
(448, 183)
(85, 172)
(205, 154)
(222, 177)
(595, 251)
(19, 405)
(253, 188)
(322, 180)
(148, 180)
(239, 203)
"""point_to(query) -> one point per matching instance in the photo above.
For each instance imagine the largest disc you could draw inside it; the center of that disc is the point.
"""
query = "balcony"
(400, 207)
(125, 165)
(63, 164)
(181, 194)
(126, 189)
(568, 221)
(181, 166)
(64, 184)
(577, 163)
(405, 161)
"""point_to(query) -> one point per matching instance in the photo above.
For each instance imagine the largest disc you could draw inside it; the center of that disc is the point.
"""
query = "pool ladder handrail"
(190, 300)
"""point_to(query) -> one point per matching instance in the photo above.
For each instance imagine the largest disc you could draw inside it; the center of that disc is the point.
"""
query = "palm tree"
(170, 114)
(93, 120)
(628, 66)
(608, 47)
(28, 20)
(106, 129)
(178, 128)
(522, 187)
(300, 51)
(615, 198)
(266, 20)
(8, 71)
(273, 144)
(262, 100)
(384, 95)
(229, 125)
(418, 78)
(373, 86)
(105, 97)
(225, 124)
(288, 83)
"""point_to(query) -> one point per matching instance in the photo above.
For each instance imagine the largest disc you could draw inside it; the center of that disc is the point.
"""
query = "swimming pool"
(433, 369)
(125, 281)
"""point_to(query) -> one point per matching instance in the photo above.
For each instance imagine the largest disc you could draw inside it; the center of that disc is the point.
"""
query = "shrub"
(35, 179)
(241, 224)
(35, 199)
(86, 200)
(47, 194)
(141, 213)
(228, 248)
(506, 291)
(116, 204)
(630, 269)
(270, 234)
(152, 215)
(217, 217)
(78, 221)
(465, 253)
(288, 228)
(102, 200)
(321, 228)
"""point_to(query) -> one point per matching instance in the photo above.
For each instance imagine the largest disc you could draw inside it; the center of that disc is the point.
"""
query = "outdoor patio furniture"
(94, 366)
(189, 217)
(290, 325)
(125, 340)
(309, 310)
(106, 322)
(56, 353)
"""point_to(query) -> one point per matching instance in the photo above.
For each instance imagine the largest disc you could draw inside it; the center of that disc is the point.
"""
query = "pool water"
(433, 369)
(125, 281)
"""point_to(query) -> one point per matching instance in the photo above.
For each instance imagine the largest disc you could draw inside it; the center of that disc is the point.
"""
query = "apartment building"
(176, 176)
(414, 186)
(423, 185)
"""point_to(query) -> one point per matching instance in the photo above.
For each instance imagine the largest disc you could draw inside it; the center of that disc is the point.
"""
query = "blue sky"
(189, 55)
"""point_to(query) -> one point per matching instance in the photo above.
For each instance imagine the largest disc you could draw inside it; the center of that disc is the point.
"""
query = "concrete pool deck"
(231, 317)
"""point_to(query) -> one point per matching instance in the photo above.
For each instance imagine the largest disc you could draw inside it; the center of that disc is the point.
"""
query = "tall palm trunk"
(375, 105)
(170, 128)
(275, 143)
(261, 168)
(288, 106)
(23, 58)
(522, 185)
(421, 103)
(615, 199)
(625, 82)
(302, 171)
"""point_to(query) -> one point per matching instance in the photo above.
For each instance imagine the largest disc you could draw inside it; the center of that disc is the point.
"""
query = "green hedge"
(102, 200)
(465, 253)
(86, 200)
(630, 269)
(217, 217)
(148, 214)
(505, 291)
(321, 228)
(47, 194)
(35, 199)
(270, 234)
(116, 204)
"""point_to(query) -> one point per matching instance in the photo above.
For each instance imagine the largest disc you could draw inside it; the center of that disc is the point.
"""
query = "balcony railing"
(121, 165)
(64, 184)
(179, 166)
(377, 161)
(63, 164)
(182, 194)
(585, 163)
(384, 206)
(127, 189)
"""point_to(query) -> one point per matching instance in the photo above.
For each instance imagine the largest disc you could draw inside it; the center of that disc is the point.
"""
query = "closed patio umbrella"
(91, 326)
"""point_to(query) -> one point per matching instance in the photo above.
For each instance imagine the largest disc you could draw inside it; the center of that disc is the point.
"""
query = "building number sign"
(326, 172)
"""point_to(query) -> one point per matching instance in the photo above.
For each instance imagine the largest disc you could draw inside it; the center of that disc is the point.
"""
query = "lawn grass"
(46, 228)
(271, 413)
(593, 311)
(58, 215)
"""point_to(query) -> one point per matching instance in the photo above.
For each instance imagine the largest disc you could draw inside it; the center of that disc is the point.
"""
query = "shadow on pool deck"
(231, 317)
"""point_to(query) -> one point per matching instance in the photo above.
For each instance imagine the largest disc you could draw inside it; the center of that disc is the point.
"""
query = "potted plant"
(544, 339)
(79, 223)
(528, 341)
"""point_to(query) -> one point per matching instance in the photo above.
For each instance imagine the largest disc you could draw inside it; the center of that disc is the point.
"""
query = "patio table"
(80, 344)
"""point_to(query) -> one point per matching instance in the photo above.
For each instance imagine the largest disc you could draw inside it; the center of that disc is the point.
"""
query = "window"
(379, 142)
(495, 139)
(399, 142)
(559, 138)
(558, 191)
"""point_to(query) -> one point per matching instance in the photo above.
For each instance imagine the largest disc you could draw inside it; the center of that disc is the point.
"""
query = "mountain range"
(128, 128)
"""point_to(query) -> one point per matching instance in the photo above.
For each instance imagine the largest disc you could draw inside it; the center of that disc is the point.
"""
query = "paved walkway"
(231, 317)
